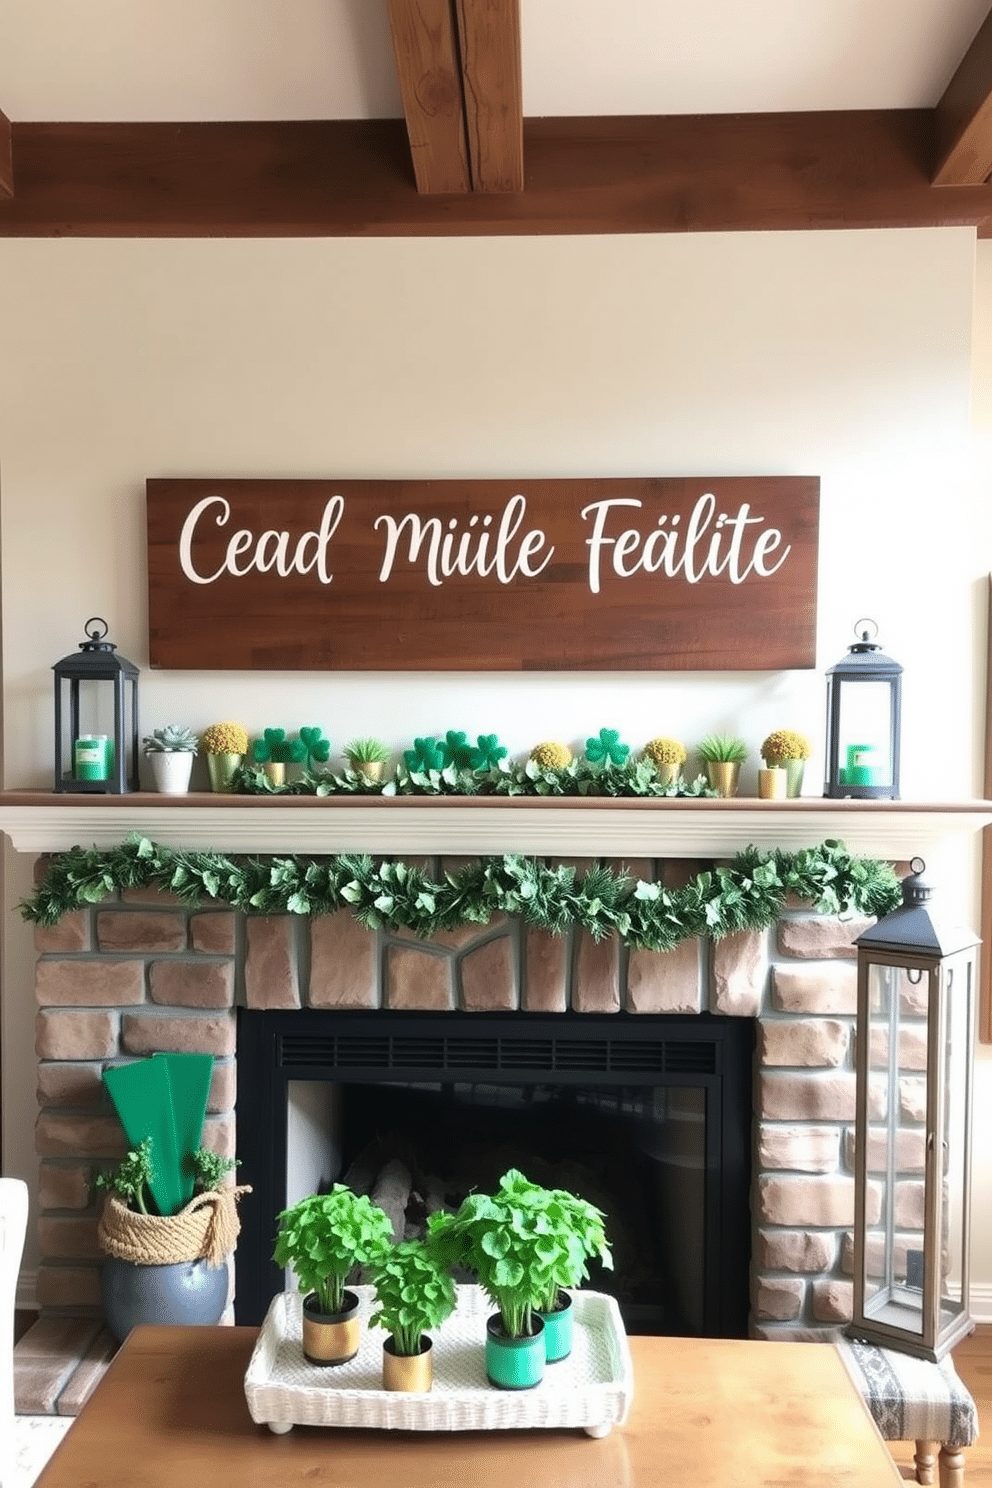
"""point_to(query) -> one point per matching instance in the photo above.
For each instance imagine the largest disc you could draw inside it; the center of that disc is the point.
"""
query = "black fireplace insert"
(649, 1117)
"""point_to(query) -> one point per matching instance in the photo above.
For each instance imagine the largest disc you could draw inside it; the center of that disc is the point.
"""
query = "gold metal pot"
(331, 1337)
(668, 774)
(723, 776)
(413, 1373)
(222, 769)
(794, 769)
(773, 784)
(371, 769)
(276, 771)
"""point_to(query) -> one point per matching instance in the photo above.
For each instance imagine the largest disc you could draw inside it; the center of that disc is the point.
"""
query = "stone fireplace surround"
(140, 972)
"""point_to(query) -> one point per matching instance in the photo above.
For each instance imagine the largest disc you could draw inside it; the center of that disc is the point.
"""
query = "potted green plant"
(723, 755)
(785, 749)
(169, 1221)
(668, 756)
(504, 1240)
(170, 752)
(323, 1237)
(576, 1235)
(414, 1291)
(225, 745)
(367, 757)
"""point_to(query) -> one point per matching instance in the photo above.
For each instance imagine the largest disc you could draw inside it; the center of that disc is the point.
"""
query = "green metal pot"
(558, 1329)
(514, 1363)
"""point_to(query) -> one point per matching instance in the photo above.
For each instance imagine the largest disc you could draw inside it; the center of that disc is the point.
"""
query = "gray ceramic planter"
(187, 1292)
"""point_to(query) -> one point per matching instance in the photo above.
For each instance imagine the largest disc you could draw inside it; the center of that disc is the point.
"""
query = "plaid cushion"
(911, 1399)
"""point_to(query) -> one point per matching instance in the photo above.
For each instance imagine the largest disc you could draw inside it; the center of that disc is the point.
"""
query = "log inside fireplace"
(649, 1117)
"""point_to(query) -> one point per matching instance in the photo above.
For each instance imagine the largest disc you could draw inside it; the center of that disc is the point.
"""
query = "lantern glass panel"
(897, 1034)
(953, 1155)
(864, 711)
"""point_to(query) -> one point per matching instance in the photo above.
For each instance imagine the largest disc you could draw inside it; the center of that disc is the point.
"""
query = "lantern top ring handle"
(868, 634)
(96, 634)
(917, 865)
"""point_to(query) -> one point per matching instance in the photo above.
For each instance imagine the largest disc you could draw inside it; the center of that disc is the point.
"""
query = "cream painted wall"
(845, 355)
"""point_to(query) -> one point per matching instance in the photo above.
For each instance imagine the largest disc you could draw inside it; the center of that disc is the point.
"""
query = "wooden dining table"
(171, 1412)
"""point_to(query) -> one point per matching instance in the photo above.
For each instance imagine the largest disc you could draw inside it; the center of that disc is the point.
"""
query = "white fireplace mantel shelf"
(682, 827)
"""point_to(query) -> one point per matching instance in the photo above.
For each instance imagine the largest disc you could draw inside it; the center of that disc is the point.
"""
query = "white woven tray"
(591, 1389)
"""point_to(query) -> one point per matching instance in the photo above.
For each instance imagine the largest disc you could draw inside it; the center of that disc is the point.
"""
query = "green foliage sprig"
(746, 894)
(722, 749)
(324, 1236)
(413, 1291)
(131, 1179)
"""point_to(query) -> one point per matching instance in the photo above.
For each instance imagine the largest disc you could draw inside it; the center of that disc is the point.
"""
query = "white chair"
(13, 1226)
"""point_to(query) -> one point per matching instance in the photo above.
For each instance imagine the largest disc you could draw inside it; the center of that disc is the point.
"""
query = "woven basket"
(206, 1229)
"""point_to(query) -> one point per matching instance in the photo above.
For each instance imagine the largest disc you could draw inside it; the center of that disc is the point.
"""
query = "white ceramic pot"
(171, 771)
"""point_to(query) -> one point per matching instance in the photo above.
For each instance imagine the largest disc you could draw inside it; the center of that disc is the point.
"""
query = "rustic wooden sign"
(483, 575)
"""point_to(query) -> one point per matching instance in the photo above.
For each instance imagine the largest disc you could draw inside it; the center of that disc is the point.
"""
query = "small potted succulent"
(225, 745)
(367, 757)
(170, 752)
(785, 749)
(414, 1291)
(723, 755)
(323, 1238)
(668, 756)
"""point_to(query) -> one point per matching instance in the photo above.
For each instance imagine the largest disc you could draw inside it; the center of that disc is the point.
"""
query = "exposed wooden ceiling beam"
(425, 43)
(963, 117)
(6, 158)
(489, 33)
(708, 173)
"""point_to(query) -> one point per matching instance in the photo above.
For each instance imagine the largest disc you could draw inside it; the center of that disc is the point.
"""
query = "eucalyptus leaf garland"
(746, 894)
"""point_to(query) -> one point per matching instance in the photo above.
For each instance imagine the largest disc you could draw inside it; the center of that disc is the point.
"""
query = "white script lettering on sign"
(269, 551)
(449, 549)
(676, 551)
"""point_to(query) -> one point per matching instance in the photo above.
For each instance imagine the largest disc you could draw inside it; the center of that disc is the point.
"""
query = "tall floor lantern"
(916, 986)
(95, 687)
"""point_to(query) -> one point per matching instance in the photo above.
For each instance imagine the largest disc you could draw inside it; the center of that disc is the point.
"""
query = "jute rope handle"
(206, 1229)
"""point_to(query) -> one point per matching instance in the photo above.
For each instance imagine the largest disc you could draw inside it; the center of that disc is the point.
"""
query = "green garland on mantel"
(746, 895)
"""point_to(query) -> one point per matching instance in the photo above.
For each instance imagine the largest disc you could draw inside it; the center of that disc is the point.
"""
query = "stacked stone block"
(141, 973)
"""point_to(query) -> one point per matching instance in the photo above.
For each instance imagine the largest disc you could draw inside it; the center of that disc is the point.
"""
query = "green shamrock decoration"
(268, 747)
(457, 750)
(488, 754)
(607, 749)
(273, 745)
(316, 748)
(426, 755)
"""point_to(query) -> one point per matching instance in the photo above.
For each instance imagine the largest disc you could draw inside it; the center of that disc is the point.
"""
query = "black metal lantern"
(912, 1192)
(864, 699)
(87, 759)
